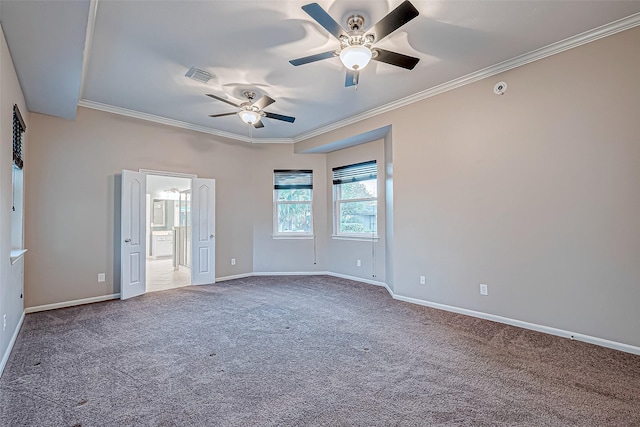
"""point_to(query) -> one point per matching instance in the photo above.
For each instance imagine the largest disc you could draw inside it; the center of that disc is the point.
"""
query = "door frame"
(189, 176)
(148, 172)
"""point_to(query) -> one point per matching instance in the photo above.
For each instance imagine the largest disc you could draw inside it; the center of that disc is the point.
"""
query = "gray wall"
(11, 275)
(74, 177)
(534, 193)
(287, 255)
(343, 254)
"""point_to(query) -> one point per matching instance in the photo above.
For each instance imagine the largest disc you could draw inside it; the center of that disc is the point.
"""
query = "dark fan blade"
(263, 102)
(223, 100)
(312, 58)
(323, 18)
(280, 117)
(222, 115)
(258, 124)
(352, 78)
(394, 20)
(395, 58)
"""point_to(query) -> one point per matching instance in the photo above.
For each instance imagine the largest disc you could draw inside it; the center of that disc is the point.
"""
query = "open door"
(203, 236)
(133, 244)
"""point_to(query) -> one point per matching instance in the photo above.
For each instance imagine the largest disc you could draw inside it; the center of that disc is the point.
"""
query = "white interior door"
(133, 244)
(203, 235)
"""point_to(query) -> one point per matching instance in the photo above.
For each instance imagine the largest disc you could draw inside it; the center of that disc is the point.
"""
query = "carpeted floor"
(303, 351)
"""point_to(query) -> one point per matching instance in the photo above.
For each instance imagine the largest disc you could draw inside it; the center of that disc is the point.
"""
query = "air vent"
(199, 75)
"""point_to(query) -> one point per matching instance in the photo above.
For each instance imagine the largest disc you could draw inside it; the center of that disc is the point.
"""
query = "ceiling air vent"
(199, 75)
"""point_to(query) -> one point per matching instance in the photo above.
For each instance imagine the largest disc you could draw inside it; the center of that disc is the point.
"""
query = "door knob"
(127, 240)
(211, 236)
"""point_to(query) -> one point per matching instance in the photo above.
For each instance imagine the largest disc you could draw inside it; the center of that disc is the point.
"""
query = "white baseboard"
(359, 279)
(7, 353)
(235, 276)
(290, 273)
(526, 325)
(495, 318)
(71, 303)
(500, 319)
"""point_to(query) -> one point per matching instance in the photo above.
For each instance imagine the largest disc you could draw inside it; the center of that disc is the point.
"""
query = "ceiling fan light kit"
(251, 112)
(355, 57)
(249, 117)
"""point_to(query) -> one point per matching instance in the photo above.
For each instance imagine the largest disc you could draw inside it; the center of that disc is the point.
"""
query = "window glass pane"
(358, 217)
(359, 190)
(294, 217)
(298, 195)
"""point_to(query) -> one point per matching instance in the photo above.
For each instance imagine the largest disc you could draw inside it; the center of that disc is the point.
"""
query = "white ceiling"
(138, 52)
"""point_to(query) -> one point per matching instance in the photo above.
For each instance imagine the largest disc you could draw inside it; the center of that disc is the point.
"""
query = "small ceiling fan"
(356, 45)
(252, 112)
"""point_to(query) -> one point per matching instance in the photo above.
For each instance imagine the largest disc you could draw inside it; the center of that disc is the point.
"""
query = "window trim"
(337, 200)
(277, 185)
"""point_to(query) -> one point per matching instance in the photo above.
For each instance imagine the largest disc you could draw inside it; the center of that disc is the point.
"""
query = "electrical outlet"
(423, 280)
(101, 277)
(484, 289)
(358, 263)
(233, 261)
(4, 322)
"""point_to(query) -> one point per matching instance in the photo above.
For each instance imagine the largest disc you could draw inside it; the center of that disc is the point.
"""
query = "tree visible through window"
(292, 202)
(355, 190)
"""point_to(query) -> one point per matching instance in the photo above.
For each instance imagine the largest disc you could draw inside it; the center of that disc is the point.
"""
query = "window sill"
(16, 254)
(355, 238)
(292, 237)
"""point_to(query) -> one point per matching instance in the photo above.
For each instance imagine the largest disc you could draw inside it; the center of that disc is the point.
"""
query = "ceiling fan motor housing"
(355, 22)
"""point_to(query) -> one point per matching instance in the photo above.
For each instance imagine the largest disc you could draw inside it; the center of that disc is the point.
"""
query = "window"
(355, 195)
(17, 214)
(292, 203)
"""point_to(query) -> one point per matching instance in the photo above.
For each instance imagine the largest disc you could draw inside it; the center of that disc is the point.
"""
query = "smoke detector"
(500, 88)
(199, 75)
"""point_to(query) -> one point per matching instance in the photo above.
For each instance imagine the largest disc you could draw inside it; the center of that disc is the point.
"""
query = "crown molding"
(88, 44)
(177, 123)
(534, 55)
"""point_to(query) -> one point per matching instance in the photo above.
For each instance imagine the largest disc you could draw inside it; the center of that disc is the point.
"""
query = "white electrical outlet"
(101, 277)
(423, 280)
(484, 289)
(233, 261)
(358, 263)
(4, 322)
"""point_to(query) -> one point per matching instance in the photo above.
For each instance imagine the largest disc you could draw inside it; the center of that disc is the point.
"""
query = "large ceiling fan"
(356, 45)
(252, 112)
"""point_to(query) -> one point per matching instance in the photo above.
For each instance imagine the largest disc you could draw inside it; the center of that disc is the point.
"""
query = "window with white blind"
(292, 198)
(17, 198)
(355, 196)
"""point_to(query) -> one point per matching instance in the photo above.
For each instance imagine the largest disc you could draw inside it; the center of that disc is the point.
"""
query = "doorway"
(168, 226)
(199, 220)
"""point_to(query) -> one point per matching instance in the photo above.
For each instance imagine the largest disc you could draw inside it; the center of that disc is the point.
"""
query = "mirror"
(158, 212)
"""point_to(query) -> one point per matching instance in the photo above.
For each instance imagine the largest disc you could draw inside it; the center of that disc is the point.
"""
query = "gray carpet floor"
(303, 351)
